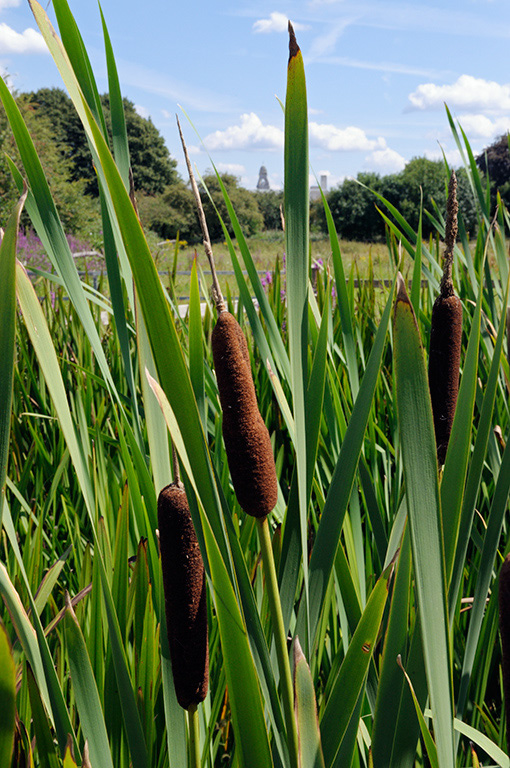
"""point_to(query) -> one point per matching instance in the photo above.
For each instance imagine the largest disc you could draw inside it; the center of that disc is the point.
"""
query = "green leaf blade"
(422, 489)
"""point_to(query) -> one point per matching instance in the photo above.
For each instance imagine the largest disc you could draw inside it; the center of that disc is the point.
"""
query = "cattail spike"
(446, 337)
(247, 442)
(185, 598)
(451, 229)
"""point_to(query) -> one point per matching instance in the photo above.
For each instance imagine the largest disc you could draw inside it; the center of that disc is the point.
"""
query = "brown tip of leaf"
(298, 651)
(85, 756)
(401, 289)
(293, 46)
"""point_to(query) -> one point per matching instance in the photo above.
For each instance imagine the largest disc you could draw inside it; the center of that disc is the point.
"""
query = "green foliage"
(494, 162)
(270, 205)
(244, 203)
(171, 213)
(153, 168)
(353, 205)
(79, 213)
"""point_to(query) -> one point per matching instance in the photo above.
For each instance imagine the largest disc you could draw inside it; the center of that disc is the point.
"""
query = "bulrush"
(446, 337)
(247, 441)
(185, 598)
(504, 629)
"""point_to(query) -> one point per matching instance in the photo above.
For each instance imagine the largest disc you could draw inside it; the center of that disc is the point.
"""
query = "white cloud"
(482, 127)
(385, 160)
(250, 134)
(236, 169)
(9, 4)
(342, 139)
(28, 41)
(277, 22)
(467, 92)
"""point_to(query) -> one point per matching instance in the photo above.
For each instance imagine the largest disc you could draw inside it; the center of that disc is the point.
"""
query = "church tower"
(263, 182)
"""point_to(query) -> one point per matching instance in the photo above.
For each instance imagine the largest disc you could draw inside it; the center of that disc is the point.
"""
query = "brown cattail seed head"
(504, 629)
(247, 441)
(444, 362)
(446, 337)
(185, 599)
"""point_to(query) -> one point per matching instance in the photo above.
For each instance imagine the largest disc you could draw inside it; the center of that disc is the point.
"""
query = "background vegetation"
(165, 201)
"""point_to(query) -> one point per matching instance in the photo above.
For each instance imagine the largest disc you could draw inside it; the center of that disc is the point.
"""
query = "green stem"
(194, 737)
(280, 639)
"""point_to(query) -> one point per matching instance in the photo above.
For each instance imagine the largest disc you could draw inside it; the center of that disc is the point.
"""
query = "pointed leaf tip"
(298, 652)
(401, 289)
(293, 46)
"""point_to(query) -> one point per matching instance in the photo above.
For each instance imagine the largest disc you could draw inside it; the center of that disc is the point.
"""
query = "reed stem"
(194, 737)
(280, 639)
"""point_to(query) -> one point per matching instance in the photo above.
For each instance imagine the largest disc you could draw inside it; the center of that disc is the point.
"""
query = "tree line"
(165, 201)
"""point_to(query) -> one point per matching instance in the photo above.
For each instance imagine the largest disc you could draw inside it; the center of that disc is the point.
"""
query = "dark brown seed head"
(446, 336)
(444, 362)
(247, 441)
(185, 599)
(504, 629)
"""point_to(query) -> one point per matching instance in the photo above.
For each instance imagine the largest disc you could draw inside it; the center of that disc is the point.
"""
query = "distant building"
(315, 192)
(263, 182)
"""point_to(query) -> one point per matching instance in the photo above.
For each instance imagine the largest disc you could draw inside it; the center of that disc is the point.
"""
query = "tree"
(353, 208)
(269, 204)
(78, 212)
(495, 160)
(170, 214)
(153, 168)
(243, 201)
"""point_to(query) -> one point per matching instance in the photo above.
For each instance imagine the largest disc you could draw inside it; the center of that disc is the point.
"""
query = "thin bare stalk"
(194, 737)
(175, 466)
(216, 290)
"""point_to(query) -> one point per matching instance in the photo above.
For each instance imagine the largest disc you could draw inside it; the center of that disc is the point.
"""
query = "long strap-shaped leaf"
(7, 335)
(7, 698)
(343, 301)
(390, 691)
(41, 339)
(339, 493)
(474, 477)
(490, 545)
(351, 677)
(296, 240)
(85, 690)
(424, 511)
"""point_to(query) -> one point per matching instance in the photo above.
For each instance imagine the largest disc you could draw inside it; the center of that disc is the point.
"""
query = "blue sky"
(378, 74)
